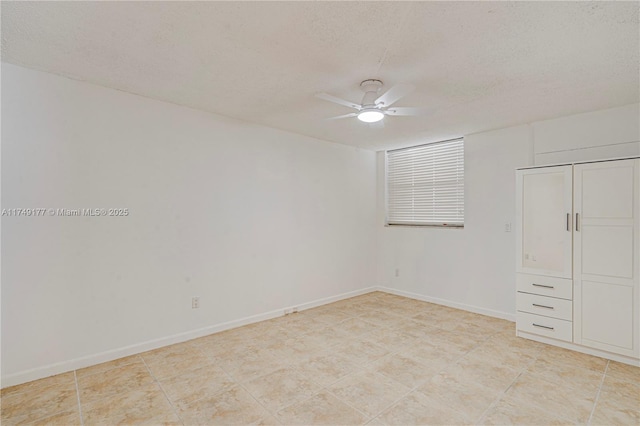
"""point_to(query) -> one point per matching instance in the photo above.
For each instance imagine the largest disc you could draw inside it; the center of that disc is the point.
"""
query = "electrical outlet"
(397, 272)
(507, 227)
(195, 302)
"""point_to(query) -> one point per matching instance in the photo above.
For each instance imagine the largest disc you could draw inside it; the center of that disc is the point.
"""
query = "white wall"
(250, 219)
(474, 267)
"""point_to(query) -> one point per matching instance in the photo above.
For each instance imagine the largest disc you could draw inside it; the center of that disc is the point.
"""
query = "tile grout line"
(175, 411)
(498, 398)
(239, 384)
(595, 401)
(366, 416)
(397, 401)
(321, 388)
(504, 392)
(284, 407)
(272, 414)
(206, 396)
(108, 369)
(480, 344)
(75, 378)
(409, 392)
(421, 383)
(324, 388)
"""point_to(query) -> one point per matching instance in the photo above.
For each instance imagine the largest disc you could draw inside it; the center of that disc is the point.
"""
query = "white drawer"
(545, 326)
(545, 286)
(544, 305)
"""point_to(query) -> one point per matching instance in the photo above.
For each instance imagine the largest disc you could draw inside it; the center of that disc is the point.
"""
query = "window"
(425, 184)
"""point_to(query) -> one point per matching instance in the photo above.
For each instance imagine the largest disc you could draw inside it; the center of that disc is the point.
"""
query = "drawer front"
(546, 306)
(545, 326)
(545, 286)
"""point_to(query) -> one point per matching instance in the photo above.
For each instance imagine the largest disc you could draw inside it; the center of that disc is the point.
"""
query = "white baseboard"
(86, 361)
(451, 304)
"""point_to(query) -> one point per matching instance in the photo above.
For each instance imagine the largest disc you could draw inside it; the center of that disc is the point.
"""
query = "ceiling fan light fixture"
(374, 106)
(370, 115)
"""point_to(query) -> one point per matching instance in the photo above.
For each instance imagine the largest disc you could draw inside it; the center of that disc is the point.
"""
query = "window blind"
(425, 184)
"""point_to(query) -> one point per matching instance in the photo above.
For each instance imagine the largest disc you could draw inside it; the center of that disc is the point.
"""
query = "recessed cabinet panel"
(607, 193)
(544, 215)
(544, 225)
(607, 314)
(605, 256)
(607, 250)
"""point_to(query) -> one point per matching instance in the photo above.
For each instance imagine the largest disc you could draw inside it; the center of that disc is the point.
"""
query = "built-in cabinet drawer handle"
(577, 222)
(542, 306)
(541, 326)
(542, 285)
(568, 224)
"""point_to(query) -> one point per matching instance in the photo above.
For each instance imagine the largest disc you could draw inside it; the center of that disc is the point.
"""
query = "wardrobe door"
(543, 212)
(606, 256)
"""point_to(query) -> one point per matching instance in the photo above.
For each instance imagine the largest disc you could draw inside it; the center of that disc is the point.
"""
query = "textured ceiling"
(477, 65)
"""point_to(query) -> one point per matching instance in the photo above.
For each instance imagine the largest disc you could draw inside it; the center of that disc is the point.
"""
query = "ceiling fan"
(374, 107)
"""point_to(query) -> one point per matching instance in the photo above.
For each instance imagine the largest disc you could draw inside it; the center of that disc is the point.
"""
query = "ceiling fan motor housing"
(371, 88)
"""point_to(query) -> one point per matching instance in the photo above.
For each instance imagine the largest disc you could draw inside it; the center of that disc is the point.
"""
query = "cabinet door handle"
(542, 285)
(542, 326)
(568, 224)
(542, 306)
(577, 222)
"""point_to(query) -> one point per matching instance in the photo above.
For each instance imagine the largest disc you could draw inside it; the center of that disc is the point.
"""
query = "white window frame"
(457, 224)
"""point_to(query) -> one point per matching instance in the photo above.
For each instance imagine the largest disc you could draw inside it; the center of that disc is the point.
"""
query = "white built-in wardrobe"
(578, 257)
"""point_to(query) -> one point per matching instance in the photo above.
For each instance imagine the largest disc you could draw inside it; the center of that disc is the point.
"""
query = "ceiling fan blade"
(394, 94)
(331, 98)
(352, 114)
(406, 111)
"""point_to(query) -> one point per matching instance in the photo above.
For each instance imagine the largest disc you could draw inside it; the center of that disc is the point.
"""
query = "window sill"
(407, 225)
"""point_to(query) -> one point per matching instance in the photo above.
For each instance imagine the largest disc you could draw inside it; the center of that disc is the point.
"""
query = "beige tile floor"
(374, 359)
